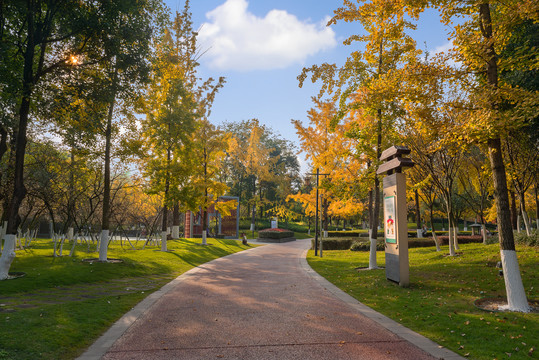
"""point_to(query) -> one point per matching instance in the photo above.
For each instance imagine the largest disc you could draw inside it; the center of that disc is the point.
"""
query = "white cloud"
(446, 49)
(239, 40)
(443, 48)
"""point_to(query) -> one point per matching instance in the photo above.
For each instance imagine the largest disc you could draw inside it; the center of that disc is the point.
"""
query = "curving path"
(263, 303)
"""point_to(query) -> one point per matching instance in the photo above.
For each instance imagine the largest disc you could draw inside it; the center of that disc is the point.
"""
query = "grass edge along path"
(439, 304)
(64, 304)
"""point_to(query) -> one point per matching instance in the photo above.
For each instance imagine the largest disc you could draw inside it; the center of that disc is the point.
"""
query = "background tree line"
(104, 124)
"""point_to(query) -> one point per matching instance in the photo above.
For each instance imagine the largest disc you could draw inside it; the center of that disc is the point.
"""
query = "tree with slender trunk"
(42, 39)
(478, 41)
(369, 80)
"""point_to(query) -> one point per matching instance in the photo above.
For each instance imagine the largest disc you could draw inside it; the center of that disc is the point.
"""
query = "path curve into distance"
(263, 303)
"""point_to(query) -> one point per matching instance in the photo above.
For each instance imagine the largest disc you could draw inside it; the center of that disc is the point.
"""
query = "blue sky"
(261, 46)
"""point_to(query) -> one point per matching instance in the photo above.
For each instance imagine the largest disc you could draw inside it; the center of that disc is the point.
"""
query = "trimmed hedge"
(275, 234)
(354, 244)
(462, 239)
(352, 233)
(335, 244)
(366, 246)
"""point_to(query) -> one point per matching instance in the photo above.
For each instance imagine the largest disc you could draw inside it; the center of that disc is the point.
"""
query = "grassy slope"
(54, 326)
(439, 304)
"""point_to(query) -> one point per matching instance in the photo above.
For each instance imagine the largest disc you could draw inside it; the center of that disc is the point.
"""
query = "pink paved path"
(257, 304)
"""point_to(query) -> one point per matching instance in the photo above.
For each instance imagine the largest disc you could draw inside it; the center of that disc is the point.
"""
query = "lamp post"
(316, 216)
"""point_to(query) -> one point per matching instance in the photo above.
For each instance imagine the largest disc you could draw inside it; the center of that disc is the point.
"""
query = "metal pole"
(316, 217)
(321, 226)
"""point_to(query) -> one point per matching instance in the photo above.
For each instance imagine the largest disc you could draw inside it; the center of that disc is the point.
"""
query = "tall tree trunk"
(536, 207)
(523, 212)
(164, 223)
(516, 296)
(514, 213)
(434, 237)
(70, 193)
(176, 221)
(15, 199)
(451, 234)
(253, 217)
(105, 220)
(3, 141)
(419, 228)
(376, 195)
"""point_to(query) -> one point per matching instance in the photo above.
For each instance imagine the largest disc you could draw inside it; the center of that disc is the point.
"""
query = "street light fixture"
(316, 216)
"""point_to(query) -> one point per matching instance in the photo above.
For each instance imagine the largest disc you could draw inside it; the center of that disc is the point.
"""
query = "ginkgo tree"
(210, 145)
(175, 105)
(253, 156)
(481, 32)
(329, 150)
(370, 78)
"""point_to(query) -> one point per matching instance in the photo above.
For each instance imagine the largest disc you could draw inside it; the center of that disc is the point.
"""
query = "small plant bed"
(442, 300)
(276, 235)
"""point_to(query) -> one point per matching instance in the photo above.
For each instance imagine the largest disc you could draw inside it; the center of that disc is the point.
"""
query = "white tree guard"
(103, 245)
(516, 296)
(8, 254)
(176, 231)
(372, 252)
(70, 234)
(164, 235)
(204, 237)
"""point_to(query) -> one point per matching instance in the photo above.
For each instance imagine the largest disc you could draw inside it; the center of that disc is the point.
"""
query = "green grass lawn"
(439, 303)
(64, 304)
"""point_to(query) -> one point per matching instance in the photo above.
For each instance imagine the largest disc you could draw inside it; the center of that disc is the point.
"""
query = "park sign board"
(395, 217)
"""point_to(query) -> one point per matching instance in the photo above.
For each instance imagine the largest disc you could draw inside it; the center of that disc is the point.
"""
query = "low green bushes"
(522, 238)
(366, 246)
(351, 233)
(462, 239)
(275, 234)
(335, 244)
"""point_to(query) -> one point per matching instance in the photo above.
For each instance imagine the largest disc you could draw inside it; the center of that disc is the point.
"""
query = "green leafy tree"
(369, 79)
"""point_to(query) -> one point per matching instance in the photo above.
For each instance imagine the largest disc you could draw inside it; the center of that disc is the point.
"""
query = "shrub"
(417, 243)
(335, 244)
(275, 234)
(352, 233)
(523, 239)
(462, 239)
(366, 246)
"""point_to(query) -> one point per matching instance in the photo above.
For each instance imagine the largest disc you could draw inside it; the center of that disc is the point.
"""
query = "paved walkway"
(263, 303)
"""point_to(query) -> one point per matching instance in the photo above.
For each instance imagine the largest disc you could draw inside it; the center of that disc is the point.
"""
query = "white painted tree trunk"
(516, 296)
(8, 254)
(435, 238)
(372, 251)
(69, 234)
(164, 235)
(456, 238)
(451, 243)
(419, 233)
(55, 240)
(176, 232)
(61, 245)
(484, 233)
(518, 223)
(103, 245)
(204, 237)
(526, 223)
(75, 238)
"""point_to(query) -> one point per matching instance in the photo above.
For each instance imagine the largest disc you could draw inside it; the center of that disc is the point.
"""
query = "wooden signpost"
(395, 218)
